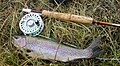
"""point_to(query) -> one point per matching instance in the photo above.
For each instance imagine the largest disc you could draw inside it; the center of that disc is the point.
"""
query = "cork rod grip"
(68, 17)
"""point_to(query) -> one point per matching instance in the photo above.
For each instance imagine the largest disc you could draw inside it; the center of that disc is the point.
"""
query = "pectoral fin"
(34, 55)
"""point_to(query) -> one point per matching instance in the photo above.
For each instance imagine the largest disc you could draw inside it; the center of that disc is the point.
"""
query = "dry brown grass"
(79, 35)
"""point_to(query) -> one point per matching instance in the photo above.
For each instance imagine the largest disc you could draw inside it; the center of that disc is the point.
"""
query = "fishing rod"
(71, 17)
(33, 24)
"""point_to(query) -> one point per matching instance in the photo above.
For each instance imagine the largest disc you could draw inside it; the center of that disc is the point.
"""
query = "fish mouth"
(14, 41)
(15, 37)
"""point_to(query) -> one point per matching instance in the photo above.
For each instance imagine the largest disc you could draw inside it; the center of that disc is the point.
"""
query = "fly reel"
(31, 24)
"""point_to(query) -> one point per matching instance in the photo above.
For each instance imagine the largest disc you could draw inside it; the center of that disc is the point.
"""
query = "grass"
(77, 35)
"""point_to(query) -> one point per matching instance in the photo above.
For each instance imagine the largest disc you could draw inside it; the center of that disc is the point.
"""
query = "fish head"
(19, 41)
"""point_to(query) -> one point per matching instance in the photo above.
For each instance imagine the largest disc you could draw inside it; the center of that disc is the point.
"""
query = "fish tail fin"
(95, 47)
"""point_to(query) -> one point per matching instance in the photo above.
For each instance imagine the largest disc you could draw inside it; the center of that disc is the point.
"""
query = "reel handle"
(68, 17)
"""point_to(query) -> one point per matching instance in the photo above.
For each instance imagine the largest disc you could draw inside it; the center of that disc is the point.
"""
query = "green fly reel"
(31, 24)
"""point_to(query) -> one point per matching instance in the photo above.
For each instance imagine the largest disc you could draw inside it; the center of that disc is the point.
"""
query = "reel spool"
(31, 24)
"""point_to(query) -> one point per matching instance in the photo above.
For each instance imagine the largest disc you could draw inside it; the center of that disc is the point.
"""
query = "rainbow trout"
(50, 50)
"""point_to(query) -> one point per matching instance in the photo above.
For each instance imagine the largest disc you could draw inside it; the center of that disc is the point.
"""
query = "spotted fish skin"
(50, 50)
